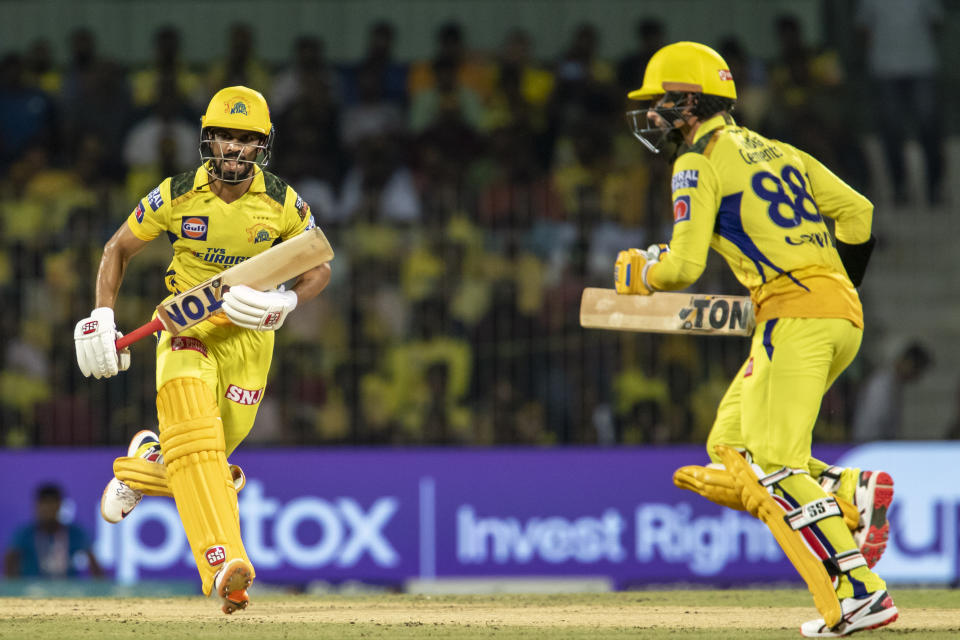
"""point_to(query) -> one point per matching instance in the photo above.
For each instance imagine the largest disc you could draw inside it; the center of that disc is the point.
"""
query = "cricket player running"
(761, 204)
(210, 378)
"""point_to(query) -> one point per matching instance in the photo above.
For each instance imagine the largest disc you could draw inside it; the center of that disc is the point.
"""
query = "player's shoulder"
(275, 187)
(182, 183)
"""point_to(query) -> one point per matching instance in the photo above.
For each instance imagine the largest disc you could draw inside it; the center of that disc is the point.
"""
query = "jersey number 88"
(796, 201)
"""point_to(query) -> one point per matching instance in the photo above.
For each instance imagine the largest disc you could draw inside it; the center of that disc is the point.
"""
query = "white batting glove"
(258, 310)
(95, 339)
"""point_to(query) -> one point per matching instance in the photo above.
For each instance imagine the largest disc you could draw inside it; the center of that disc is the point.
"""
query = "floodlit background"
(470, 163)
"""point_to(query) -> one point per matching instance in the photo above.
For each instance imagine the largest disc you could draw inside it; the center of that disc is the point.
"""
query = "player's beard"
(241, 173)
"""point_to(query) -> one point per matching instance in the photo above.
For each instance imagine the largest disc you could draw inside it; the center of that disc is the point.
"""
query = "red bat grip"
(139, 333)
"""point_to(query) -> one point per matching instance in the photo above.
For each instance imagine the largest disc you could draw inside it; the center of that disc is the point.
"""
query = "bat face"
(712, 313)
(192, 306)
(666, 312)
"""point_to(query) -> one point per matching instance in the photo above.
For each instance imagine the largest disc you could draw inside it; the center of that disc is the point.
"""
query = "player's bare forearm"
(113, 264)
(311, 283)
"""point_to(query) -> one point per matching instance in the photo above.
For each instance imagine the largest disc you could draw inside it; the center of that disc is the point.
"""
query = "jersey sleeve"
(151, 216)
(296, 215)
(696, 199)
(836, 199)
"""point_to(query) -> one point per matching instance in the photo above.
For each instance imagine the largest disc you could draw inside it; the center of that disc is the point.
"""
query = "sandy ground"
(445, 613)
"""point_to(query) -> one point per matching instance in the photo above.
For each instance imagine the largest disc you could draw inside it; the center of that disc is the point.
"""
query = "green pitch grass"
(743, 615)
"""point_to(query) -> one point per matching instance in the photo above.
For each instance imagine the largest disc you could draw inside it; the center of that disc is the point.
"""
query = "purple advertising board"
(389, 515)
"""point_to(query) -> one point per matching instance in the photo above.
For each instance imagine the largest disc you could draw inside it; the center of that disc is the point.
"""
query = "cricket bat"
(263, 271)
(667, 312)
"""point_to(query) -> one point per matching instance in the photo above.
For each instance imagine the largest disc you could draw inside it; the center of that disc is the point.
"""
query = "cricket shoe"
(872, 496)
(119, 499)
(868, 612)
(231, 584)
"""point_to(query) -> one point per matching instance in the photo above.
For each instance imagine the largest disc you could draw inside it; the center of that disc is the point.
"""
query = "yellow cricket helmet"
(686, 67)
(238, 108)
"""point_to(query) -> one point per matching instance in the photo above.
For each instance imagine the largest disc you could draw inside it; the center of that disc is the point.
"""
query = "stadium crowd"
(470, 197)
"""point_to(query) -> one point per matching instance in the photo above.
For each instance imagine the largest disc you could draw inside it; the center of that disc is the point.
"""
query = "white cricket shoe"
(869, 612)
(231, 584)
(118, 499)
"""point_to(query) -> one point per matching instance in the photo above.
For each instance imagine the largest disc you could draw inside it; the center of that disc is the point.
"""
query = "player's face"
(664, 105)
(234, 152)
(666, 116)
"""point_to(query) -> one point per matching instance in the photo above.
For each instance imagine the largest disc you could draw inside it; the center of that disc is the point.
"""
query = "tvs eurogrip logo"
(194, 227)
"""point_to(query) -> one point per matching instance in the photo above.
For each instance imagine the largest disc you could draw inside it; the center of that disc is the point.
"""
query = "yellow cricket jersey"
(208, 235)
(760, 204)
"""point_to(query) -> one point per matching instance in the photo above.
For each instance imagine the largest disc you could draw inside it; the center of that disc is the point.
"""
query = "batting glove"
(630, 270)
(258, 310)
(95, 340)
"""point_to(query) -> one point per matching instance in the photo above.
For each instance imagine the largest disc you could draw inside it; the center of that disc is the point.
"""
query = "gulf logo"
(194, 228)
(681, 209)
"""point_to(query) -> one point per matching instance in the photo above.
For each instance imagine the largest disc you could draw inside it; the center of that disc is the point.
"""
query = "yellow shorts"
(771, 406)
(234, 362)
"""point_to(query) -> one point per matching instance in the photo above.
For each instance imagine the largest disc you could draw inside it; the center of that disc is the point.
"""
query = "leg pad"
(760, 503)
(716, 484)
(191, 436)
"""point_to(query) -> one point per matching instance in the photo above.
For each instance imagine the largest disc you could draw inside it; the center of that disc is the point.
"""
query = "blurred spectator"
(900, 38)
(470, 69)
(96, 101)
(372, 114)
(446, 100)
(606, 203)
(167, 74)
(517, 192)
(378, 60)
(42, 73)
(808, 106)
(585, 94)
(239, 64)
(163, 143)
(308, 129)
(48, 548)
(379, 187)
(446, 152)
(879, 409)
(26, 113)
(651, 35)
(40, 197)
(753, 96)
(309, 68)
(522, 89)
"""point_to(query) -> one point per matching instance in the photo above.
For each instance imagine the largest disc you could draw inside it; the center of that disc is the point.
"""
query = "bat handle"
(139, 333)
